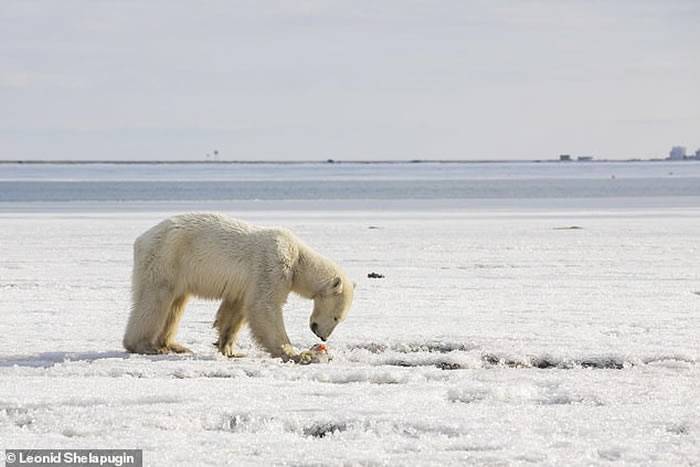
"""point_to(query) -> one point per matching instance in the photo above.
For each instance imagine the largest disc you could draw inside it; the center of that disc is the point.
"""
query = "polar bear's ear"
(334, 287)
(337, 287)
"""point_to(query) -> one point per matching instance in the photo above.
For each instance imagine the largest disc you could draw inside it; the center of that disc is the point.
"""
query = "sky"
(348, 80)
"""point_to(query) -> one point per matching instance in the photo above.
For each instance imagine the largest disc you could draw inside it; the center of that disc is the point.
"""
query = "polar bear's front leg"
(166, 341)
(267, 327)
(229, 321)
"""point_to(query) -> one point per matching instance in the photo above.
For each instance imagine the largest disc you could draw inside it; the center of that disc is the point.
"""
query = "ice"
(494, 338)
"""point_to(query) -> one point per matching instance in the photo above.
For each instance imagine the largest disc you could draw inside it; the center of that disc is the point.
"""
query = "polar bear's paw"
(229, 351)
(173, 347)
(306, 357)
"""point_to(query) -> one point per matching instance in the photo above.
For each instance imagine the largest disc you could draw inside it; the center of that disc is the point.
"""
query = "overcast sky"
(368, 80)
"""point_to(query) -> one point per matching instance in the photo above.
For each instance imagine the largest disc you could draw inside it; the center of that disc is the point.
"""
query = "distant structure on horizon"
(213, 156)
(568, 158)
(679, 153)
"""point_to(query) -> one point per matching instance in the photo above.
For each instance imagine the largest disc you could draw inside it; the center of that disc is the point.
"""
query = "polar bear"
(251, 269)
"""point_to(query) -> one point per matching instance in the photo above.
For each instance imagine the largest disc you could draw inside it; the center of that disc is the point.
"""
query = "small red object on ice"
(316, 354)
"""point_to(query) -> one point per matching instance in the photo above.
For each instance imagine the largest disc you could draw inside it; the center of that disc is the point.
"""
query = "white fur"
(252, 269)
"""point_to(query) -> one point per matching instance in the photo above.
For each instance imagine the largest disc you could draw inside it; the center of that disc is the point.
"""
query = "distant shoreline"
(317, 162)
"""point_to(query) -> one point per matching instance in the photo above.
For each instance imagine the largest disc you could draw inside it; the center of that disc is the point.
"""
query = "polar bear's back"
(194, 231)
(207, 253)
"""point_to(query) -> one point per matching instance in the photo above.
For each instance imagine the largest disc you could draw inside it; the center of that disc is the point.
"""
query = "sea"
(661, 183)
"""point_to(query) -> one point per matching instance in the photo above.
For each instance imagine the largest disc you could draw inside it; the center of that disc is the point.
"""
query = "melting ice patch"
(323, 427)
(456, 356)
(523, 392)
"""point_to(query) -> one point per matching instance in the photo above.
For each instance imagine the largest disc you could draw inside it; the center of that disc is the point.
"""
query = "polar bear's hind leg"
(148, 316)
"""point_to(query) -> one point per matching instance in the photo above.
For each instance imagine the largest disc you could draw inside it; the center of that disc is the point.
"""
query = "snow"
(494, 338)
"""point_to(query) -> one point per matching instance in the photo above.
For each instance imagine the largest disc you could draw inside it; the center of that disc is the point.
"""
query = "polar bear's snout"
(331, 306)
(314, 329)
(322, 326)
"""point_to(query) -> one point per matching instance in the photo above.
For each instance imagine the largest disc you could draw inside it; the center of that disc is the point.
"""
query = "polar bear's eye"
(335, 319)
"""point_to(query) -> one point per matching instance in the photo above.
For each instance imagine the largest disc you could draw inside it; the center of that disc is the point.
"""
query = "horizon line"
(314, 161)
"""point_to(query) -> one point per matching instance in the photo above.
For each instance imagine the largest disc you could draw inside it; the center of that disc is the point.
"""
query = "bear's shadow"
(49, 359)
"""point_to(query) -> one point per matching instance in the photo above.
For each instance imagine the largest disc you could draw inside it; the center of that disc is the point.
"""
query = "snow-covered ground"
(494, 338)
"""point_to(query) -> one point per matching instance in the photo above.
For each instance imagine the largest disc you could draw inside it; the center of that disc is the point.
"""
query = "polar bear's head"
(331, 305)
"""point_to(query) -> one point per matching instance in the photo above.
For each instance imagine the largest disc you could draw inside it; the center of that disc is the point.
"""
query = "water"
(399, 181)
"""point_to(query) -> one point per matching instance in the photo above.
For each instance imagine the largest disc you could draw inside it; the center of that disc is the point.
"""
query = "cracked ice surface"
(493, 339)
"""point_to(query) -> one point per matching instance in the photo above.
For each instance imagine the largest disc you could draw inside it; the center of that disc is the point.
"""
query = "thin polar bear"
(251, 269)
